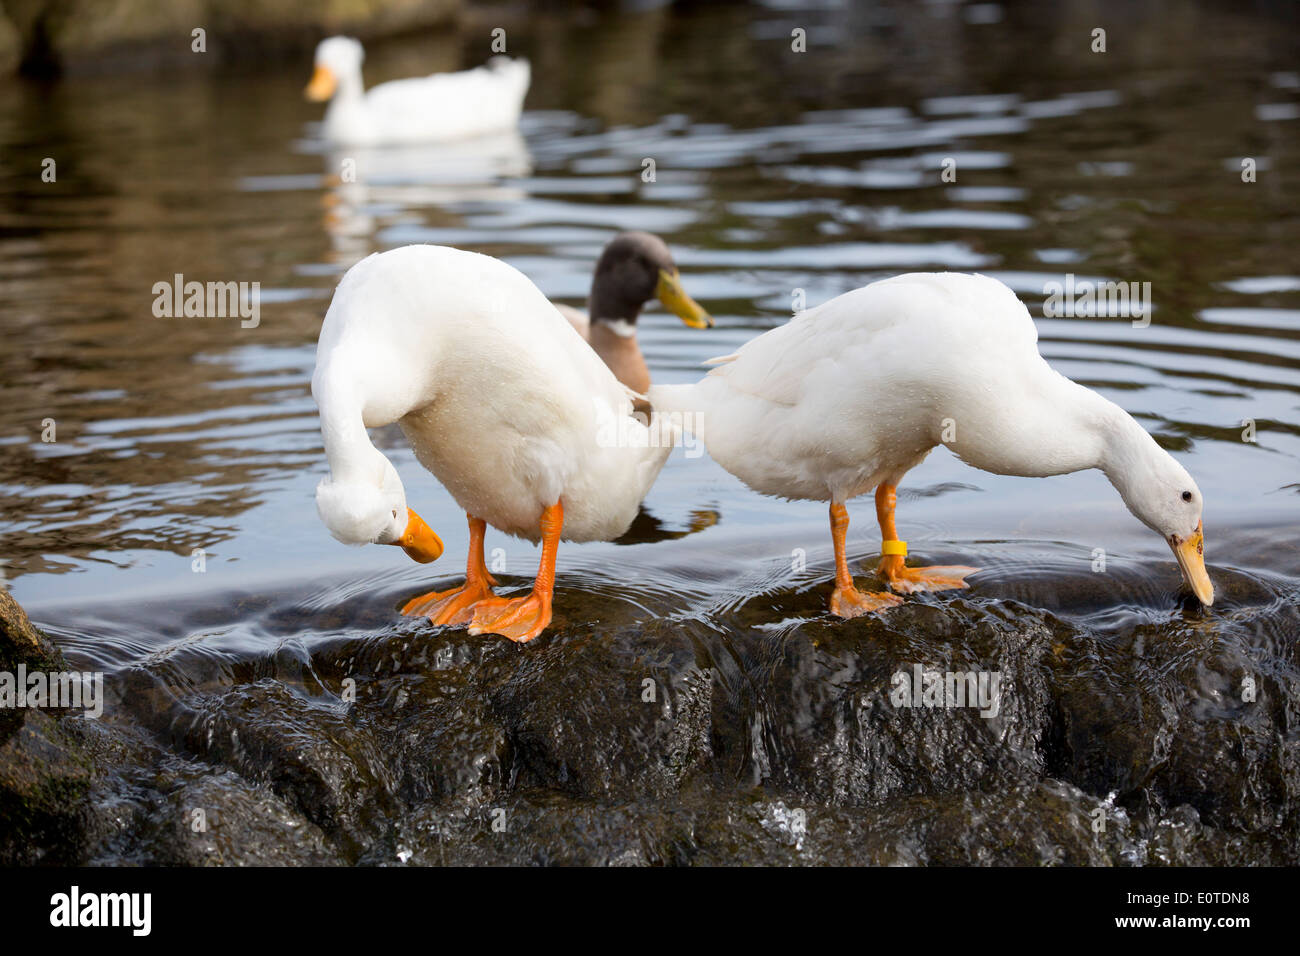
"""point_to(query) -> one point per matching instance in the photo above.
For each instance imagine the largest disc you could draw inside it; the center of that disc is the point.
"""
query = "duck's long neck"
(1054, 427)
(351, 86)
(349, 95)
(1132, 460)
(1057, 427)
(616, 344)
(351, 454)
(612, 333)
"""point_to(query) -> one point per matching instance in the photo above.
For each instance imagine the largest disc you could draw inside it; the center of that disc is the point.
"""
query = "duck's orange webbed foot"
(905, 580)
(523, 618)
(456, 606)
(901, 578)
(453, 607)
(520, 619)
(847, 600)
(850, 602)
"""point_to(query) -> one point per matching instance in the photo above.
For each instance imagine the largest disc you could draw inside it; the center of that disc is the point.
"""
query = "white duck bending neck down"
(850, 396)
(427, 109)
(500, 399)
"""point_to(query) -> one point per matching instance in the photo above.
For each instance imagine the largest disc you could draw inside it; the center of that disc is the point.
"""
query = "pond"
(168, 537)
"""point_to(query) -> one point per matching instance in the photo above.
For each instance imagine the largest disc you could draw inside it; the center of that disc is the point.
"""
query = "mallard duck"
(437, 108)
(500, 399)
(850, 396)
(633, 268)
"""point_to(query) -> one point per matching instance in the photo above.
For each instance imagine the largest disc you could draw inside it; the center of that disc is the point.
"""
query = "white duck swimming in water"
(501, 400)
(633, 268)
(851, 395)
(427, 109)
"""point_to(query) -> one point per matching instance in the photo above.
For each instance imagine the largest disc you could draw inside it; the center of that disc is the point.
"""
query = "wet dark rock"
(44, 784)
(824, 724)
(224, 820)
(760, 732)
(611, 715)
(338, 776)
(44, 774)
(21, 642)
(1180, 719)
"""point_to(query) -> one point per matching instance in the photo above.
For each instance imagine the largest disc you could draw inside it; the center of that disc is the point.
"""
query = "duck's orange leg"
(900, 577)
(521, 619)
(847, 600)
(450, 608)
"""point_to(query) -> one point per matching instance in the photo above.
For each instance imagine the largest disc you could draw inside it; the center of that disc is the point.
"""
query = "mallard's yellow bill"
(418, 540)
(675, 300)
(1191, 561)
(322, 85)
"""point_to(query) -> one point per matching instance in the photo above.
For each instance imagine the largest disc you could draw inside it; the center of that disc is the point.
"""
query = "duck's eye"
(1187, 496)
(394, 512)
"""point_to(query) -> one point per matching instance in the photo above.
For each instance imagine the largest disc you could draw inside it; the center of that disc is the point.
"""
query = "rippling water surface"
(777, 175)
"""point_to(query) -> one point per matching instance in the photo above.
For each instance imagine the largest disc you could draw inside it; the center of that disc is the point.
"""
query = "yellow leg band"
(894, 547)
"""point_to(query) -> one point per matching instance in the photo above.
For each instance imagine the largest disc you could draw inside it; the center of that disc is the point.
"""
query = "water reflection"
(374, 188)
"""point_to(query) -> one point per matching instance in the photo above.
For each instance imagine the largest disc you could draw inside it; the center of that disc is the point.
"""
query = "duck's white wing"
(853, 391)
(577, 318)
(890, 332)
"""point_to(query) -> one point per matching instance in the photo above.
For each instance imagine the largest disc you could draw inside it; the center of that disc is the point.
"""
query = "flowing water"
(168, 537)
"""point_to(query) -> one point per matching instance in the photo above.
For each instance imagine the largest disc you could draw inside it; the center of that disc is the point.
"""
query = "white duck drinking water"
(427, 109)
(501, 400)
(851, 395)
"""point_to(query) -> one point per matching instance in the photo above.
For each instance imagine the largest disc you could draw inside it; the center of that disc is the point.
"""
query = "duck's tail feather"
(517, 71)
(678, 401)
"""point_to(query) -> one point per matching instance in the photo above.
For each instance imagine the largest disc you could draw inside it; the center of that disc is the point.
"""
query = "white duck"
(437, 108)
(851, 395)
(501, 400)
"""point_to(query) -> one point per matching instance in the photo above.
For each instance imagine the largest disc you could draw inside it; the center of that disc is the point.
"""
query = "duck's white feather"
(858, 391)
(500, 398)
(438, 108)
(578, 318)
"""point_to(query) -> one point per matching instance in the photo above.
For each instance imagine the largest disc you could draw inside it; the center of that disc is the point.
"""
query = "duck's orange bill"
(418, 540)
(1190, 553)
(322, 84)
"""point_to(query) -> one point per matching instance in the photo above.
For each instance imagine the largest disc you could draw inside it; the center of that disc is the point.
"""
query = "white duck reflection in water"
(373, 187)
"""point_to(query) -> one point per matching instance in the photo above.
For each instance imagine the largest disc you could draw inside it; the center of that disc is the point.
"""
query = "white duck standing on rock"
(500, 399)
(851, 395)
(438, 108)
